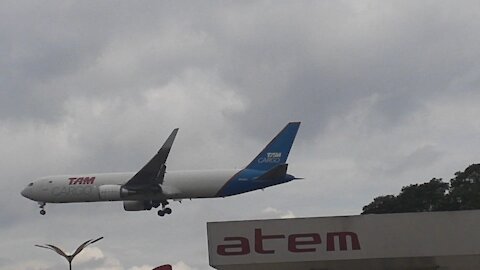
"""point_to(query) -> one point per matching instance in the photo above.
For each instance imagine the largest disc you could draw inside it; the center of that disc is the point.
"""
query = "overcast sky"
(387, 92)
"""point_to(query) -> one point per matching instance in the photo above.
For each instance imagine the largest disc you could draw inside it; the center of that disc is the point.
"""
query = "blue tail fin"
(276, 152)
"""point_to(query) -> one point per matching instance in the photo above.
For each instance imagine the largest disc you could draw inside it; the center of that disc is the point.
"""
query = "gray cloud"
(386, 92)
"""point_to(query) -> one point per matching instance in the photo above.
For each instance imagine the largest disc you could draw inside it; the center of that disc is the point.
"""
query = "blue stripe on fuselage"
(247, 180)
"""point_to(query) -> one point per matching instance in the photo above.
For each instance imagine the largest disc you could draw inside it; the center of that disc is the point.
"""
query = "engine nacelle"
(112, 192)
(136, 206)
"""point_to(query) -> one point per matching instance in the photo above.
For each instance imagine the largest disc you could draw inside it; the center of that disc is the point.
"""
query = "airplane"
(153, 186)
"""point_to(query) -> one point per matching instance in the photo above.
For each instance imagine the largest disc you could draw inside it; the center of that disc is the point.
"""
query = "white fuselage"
(153, 186)
(94, 187)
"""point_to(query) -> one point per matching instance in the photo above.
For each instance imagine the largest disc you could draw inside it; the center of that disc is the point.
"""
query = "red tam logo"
(81, 180)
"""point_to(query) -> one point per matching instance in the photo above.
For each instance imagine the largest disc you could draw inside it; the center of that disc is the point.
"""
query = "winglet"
(276, 152)
(169, 142)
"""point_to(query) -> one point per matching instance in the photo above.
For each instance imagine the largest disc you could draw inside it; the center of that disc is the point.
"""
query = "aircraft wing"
(151, 175)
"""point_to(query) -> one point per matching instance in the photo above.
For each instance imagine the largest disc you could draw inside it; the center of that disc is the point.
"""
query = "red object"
(163, 267)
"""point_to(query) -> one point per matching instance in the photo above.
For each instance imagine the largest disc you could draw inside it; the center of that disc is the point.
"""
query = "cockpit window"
(31, 184)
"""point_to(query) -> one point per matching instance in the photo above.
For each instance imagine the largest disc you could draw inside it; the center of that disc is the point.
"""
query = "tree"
(424, 197)
(413, 198)
(381, 205)
(463, 193)
(465, 189)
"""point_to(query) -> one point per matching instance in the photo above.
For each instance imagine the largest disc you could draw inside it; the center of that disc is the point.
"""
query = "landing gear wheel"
(165, 210)
(42, 206)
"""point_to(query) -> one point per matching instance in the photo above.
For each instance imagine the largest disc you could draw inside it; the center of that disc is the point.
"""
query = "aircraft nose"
(26, 193)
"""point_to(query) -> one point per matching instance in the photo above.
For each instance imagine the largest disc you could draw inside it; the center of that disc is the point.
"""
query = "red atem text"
(296, 243)
(81, 180)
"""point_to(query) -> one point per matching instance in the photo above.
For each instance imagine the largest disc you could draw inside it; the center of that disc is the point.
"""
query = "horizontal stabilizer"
(278, 172)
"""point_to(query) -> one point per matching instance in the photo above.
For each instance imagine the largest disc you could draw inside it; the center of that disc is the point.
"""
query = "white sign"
(344, 238)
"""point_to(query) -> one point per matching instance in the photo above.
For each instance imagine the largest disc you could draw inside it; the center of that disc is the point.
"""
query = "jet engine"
(136, 206)
(112, 192)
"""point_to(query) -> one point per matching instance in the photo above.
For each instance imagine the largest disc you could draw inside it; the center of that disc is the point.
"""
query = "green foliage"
(382, 205)
(465, 189)
(462, 193)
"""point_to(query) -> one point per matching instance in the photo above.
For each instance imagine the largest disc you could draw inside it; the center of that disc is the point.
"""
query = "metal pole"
(70, 257)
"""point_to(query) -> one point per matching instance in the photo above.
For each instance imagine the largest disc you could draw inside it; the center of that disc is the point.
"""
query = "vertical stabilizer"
(276, 152)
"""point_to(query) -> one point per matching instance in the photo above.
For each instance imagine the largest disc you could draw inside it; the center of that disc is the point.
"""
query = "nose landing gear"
(42, 208)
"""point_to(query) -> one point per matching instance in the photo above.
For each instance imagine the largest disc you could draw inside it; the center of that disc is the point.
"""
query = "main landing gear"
(42, 208)
(165, 210)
